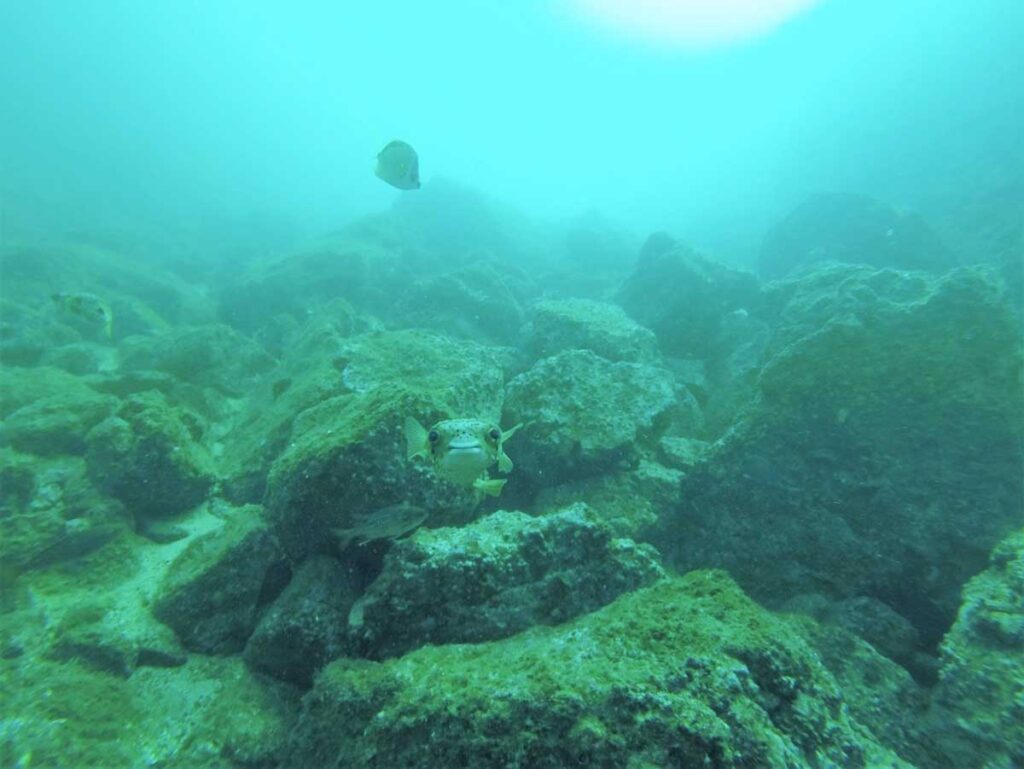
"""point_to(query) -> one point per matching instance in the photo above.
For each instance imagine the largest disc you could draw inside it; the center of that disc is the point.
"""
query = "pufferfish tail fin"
(416, 444)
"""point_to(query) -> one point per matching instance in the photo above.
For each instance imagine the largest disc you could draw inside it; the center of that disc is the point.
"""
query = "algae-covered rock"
(208, 356)
(977, 717)
(584, 324)
(683, 296)
(50, 512)
(116, 641)
(307, 626)
(212, 592)
(474, 302)
(584, 415)
(47, 411)
(885, 437)
(149, 456)
(347, 455)
(844, 227)
(495, 577)
(879, 693)
(210, 713)
(687, 672)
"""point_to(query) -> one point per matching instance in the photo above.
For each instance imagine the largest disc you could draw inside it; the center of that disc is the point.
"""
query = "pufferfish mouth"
(466, 446)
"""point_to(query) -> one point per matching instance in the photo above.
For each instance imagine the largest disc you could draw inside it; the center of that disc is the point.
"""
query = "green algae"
(688, 670)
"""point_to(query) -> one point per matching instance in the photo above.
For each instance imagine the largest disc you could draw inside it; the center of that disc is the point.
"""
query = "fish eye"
(432, 436)
(495, 433)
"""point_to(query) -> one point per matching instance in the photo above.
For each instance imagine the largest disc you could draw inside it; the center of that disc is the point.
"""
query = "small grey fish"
(399, 165)
(387, 523)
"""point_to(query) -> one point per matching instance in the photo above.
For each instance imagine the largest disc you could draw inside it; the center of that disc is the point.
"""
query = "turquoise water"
(569, 383)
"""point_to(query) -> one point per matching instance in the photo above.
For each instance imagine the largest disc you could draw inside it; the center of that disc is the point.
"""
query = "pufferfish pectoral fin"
(415, 439)
(491, 487)
(504, 463)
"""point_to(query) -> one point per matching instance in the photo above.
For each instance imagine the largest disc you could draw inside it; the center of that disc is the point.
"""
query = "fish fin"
(490, 487)
(504, 463)
(415, 439)
(506, 434)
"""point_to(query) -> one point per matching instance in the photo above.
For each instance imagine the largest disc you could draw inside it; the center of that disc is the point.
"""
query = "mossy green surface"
(978, 713)
(686, 672)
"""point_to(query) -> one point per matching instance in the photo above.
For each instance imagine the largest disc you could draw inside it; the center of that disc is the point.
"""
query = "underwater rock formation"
(687, 672)
(603, 328)
(214, 356)
(212, 592)
(856, 229)
(150, 456)
(585, 415)
(977, 716)
(683, 296)
(886, 435)
(473, 302)
(495, 577)
(307, 625)
(346, 455)
(46, 411)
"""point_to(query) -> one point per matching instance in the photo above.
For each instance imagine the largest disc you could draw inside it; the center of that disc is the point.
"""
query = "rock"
(149, 457)
(495, 577)
(346, 456)
(687, 672)
(214, 356)
(57, 424)
(879, 693)
(583, 324)
(585, 415)
(50, 512)
(472, 302)
(80, 358)
(212, 592)
(977, 716)
(855, 229)
(307, 626)
(116, 642)
(683, 297)
(878, 436)
(363, 273)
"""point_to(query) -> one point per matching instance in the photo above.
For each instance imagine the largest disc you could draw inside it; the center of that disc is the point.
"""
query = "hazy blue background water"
(196, 117)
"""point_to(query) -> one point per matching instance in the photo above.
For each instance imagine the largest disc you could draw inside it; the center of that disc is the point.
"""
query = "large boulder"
(346, 456)
(977, 714)
(50, 512)
(307, 626)
(585, 324)
(474, 302)
(149, 455)
(886, 437)
(48, 412)
(584, 415)
(683, 296)
(214, 355)
(687, 672)
(493, 578)
(212, 592)
(846, 227)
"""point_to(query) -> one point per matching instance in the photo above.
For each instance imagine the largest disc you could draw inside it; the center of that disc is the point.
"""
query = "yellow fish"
(462, 450)
(86, 308)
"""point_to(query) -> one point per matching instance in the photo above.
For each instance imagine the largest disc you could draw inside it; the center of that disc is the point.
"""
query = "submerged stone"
(497, 576)
(687, 672)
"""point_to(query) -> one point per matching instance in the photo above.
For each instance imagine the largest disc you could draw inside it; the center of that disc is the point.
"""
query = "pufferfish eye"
(432, 436)
(495, 433)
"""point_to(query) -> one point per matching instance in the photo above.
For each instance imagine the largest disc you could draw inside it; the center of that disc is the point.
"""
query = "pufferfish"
(462, 450)
(87, 309)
